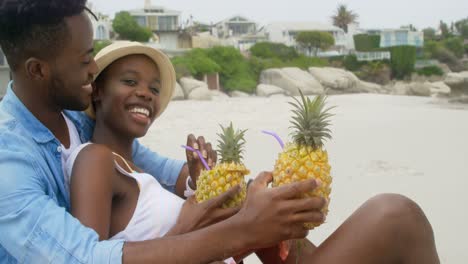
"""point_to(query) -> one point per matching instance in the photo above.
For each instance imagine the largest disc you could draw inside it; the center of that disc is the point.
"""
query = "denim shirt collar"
(14, 106)
(42, 134)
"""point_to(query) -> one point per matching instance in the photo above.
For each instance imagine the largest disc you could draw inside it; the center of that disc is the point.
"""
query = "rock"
(460, 100)
(458, 83)
(200, 94)
(419, 89)
(368, 87)
(291, 80)
(218, 95)
(238, 94)
(190, 84)
(416, 89)
(267, 90)
(335, 78)
(178, 93)
(439, 89)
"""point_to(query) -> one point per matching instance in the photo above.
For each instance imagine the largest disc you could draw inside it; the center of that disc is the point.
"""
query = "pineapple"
(305, 157)
(228, 172)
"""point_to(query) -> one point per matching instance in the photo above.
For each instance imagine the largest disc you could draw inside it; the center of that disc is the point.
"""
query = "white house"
(102, 27)
(165, 23)
(285, 32)
(235, 26)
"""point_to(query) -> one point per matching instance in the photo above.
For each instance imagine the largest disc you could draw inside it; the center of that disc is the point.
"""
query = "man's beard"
(63, 98)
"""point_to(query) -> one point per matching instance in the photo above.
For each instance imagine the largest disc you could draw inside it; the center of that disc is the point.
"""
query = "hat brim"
(118, 50)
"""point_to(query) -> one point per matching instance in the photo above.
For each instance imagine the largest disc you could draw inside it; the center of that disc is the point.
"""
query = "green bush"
(366, 42)
(455, 45)
(127, 28)
(430, 70)
(376, 72)
(195, 63)
(351, 63)
(402, 61)
(268, 50)
(235, 70)
(99, 45)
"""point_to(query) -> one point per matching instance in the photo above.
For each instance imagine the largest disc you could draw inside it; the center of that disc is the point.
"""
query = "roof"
(304, 26)
(150, 10)
(243, 20)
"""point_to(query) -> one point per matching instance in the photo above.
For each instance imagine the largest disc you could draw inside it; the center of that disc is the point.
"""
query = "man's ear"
(37, 69)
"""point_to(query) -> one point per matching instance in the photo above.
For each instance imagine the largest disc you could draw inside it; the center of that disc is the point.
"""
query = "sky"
(372, 13)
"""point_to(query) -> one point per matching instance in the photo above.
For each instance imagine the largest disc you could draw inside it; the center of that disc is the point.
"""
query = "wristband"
(188, 190)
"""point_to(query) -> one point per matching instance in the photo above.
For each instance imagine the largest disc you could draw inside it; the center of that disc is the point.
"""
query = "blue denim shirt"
(35, 223)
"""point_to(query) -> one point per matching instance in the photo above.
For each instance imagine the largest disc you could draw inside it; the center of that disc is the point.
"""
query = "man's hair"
(35, 28)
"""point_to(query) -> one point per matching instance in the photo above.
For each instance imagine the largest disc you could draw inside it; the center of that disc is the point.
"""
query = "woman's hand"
(194, 215)
(194, 163)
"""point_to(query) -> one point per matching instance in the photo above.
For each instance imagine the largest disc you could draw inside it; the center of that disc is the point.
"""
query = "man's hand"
(277, 214)
(194, 162)
(194, 215)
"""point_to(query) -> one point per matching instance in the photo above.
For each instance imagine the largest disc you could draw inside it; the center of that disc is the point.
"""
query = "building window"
(401, 38)
(140, 20)
(387, 39)
(167, 23)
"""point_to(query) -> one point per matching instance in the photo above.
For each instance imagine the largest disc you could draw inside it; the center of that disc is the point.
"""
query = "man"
(49, 45)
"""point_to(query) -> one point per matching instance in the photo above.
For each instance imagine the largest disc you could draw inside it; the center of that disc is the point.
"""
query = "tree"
(444, 29)
(462, 27)
(128, 28)
(315, 40)
(343, 17)
(429, 34)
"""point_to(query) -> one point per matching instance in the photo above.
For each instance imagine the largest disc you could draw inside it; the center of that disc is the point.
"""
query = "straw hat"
(120, 49)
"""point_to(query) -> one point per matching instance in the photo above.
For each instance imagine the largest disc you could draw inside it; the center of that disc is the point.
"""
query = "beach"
(415, 146)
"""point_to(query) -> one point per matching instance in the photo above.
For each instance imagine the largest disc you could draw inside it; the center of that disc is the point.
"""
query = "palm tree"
(343, 17)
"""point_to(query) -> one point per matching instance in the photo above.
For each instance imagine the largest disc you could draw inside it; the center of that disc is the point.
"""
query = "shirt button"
(59, 149)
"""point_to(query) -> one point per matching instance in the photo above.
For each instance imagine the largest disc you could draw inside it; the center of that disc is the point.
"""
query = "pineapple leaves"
(310, 120)
(231, 144)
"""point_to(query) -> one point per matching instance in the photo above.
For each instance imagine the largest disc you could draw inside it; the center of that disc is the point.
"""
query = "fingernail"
(204, 154)
(195, 155)
(195, 145)
(318, 182)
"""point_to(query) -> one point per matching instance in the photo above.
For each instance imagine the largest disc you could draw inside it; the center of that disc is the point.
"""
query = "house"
(235, 26)
(102, 27)
(164, 23)
(399, 37)
(285, 33)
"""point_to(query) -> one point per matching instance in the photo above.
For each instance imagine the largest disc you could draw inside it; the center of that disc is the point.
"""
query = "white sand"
(381, 143)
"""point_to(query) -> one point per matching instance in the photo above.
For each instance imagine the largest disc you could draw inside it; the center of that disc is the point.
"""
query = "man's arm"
(170, 173)
(34, 229)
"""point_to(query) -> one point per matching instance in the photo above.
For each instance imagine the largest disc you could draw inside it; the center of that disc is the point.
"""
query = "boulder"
(218, 95)
(439, 89)
(200, 94)
(458, 83)
(335, 78)
(415, 89)
(267, 90)
(238, 94)
(292, 80)
(178, 93)
(190, 84)
(368, 87)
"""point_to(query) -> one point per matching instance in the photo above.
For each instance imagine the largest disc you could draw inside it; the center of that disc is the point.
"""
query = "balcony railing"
(373, 55)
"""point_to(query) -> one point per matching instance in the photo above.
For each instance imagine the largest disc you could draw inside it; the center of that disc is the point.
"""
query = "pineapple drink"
(305, 157)
(229, 172)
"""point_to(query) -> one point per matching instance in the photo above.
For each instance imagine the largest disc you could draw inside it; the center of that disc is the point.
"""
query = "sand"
(410, 145)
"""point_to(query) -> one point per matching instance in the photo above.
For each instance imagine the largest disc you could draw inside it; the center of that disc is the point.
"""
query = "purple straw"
(199, 155)
(271, 133)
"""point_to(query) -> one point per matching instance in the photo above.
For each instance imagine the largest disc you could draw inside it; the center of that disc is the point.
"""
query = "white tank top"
(156, 211)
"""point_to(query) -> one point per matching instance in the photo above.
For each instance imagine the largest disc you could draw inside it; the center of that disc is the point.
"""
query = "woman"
(114, 197)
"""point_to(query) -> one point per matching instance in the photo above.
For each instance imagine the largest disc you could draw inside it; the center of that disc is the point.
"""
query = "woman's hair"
(35, 27)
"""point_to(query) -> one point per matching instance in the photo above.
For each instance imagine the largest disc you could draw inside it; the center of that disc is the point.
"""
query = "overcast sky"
(372, 13)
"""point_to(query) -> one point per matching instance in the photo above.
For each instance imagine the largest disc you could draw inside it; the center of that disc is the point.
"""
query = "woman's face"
(127, 95)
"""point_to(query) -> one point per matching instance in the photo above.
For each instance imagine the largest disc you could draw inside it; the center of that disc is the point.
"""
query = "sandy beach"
(415, 146)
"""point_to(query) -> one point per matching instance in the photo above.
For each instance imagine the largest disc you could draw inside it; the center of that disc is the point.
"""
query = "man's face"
(73, 69)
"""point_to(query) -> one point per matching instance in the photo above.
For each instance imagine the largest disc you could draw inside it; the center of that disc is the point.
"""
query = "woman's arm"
(92, 188)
